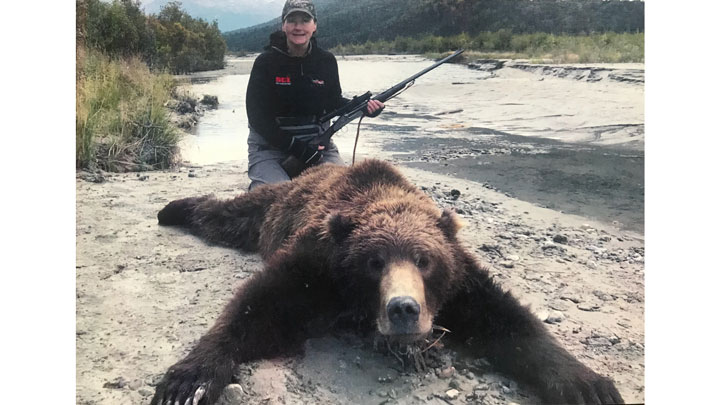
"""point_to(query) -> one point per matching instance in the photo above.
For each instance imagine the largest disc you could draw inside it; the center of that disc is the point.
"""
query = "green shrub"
(121, 122)
(606, 47)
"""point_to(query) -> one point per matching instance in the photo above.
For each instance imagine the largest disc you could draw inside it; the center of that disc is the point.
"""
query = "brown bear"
(360, 243)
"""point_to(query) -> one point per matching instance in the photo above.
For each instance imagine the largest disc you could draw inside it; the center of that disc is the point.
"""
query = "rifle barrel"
(389, 92)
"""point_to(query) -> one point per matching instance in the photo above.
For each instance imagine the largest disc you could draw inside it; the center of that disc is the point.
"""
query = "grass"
(121, 123)
(550, 48)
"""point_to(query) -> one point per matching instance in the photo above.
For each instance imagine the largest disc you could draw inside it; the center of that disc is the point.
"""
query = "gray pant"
(264, 160)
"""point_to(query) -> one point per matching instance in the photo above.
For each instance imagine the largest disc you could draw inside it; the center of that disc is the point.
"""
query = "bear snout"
(403, 310)
(403, 313)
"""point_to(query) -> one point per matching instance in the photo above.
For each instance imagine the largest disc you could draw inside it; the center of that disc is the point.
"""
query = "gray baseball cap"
(305, 6)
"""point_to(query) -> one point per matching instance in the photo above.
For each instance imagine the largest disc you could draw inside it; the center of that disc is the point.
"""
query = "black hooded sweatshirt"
(281, 85)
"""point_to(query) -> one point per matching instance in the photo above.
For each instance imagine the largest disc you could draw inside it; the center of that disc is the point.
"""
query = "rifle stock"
(293, 166)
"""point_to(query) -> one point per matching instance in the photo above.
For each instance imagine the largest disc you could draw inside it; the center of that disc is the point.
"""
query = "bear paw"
(178, 212)
(582, 387)
(190, 384)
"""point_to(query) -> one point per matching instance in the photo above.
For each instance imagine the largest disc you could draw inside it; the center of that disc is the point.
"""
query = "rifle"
(355, 108)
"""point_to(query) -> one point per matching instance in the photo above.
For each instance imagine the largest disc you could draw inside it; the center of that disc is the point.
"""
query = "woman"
(291, 84)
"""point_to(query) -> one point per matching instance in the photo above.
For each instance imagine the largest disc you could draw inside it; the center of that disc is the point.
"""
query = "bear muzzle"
(403, 313)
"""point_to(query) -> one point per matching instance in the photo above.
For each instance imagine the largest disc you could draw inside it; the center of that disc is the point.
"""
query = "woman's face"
(299, 27)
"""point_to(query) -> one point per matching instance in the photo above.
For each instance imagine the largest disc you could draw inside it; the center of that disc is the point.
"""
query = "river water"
(569, 145)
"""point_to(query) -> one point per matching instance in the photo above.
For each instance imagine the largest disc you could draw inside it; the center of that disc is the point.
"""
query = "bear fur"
(360, 243)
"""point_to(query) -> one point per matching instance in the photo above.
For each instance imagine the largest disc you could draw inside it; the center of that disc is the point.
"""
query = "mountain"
(357, 21)
(230, 15)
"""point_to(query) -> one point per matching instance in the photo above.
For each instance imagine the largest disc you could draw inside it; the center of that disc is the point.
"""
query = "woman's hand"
(374, 107)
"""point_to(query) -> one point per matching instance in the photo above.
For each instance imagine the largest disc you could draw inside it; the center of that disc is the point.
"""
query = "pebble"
(507, 264)
(392, 393)
(586, 306)
(117, 383)
(452, 394)
(514, 258)
(145, 392)
(555, 317)
(560, 239)
(481, 387)
(601, 341)
(446, 372)
(135, 384)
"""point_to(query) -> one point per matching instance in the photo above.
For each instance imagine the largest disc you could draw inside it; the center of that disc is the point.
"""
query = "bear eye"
(376, 263)
(422, 261)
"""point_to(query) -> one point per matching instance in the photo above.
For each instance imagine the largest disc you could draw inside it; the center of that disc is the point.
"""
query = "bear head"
(396, 263)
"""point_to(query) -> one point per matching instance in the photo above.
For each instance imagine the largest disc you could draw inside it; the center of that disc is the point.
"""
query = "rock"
(591, 264)
(588, 307)
(571, 298)
(143, 178)
(455, 194)
(232, 394)
(598, 341)
(446, 372)
(210, 101)
(554, 317)
(481, 387)
(191, 174)
(454, 384)
(487, 65)
(94, 178)
(560, 239)
(559, 305)
(452, 394)
(145, 392)
(117, 383)
(514, 258)
(135, 384)
(184, 107)
(507, 264)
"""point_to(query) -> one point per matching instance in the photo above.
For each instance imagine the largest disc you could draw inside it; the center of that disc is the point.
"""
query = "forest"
(124, 65)
(352, 22)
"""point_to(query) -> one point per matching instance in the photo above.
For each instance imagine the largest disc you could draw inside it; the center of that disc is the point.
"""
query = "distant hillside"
(358, 21)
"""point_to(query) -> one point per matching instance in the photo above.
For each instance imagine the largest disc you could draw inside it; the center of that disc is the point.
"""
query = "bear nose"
(403, 311)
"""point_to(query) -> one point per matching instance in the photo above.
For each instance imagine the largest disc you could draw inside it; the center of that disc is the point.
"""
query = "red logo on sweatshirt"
(282, 81)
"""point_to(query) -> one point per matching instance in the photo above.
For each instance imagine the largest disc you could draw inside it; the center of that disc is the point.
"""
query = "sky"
(230, 14)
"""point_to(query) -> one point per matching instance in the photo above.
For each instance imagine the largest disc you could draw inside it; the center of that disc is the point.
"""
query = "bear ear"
(340, 227)
(449, 223)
